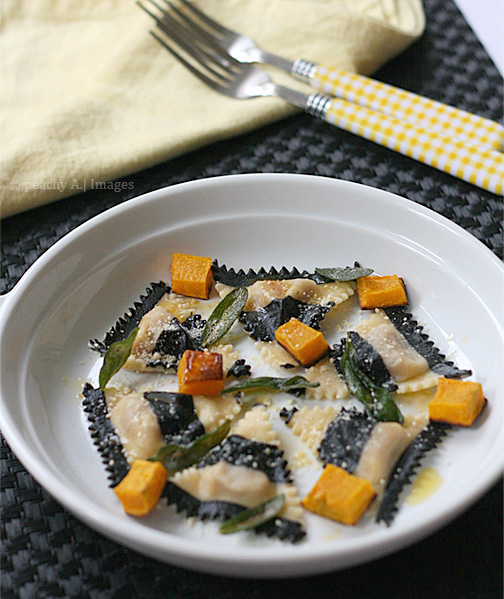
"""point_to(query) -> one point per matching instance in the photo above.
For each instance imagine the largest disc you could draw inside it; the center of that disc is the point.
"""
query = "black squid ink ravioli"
(245, 469)
(276, 296)
(126, 425)
(168, 324)
(396, 354)
(387, 454)
(248, 467)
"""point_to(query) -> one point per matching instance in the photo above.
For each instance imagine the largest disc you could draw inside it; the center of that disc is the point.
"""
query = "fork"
(480, 166)
(190, 21)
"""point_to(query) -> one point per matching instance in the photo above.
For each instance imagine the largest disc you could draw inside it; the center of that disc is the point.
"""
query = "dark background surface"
(46, 552)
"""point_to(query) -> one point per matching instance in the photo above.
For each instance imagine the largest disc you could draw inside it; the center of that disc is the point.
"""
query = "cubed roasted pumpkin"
(200, 373)
(140, 490)
(381, 292)
(191, 275)
(457, 402)
(304, 344)
(340, 496)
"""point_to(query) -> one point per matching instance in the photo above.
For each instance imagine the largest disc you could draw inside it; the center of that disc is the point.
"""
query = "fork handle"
(480, 166)
(401, 104)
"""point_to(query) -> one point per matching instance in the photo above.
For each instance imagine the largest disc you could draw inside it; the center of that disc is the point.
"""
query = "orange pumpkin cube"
(457, 402)
(340, 496)
(191, 275)
(381, 292)
(304, 344)
(140, 490)
(200, 373)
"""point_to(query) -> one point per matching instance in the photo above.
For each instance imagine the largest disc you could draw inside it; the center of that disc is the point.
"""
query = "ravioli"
(104, 435)
(167, 326)
(384, 453)
(131, 319)
(330, 383)
(276, 296)
(161, 338)
(136, 425)
(246, 469)
(388, 357)
(393, 358)
(261, 293)
(406, 467)
(402, 360)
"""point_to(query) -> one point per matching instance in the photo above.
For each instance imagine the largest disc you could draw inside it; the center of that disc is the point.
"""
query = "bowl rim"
(183, 549)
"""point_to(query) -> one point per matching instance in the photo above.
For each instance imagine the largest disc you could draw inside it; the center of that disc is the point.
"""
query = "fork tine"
(151, 14)
(165, 19)
(185, 27)
(173, 29)
(211, 82)
(195, 29)
(217, 27)
(216, 69)
(200, 54)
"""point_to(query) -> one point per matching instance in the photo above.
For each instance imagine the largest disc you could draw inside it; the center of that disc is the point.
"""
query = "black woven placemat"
(48, 553)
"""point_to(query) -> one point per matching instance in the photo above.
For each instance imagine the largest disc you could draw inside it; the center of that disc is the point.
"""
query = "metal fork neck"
(318, 105)
(315, 104)
(276, 61)
(303, 69)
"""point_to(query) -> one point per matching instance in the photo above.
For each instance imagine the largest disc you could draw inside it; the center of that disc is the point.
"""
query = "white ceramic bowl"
(78, 288)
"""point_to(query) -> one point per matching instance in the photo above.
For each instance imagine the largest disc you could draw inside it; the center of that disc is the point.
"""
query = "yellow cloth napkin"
(87, 95)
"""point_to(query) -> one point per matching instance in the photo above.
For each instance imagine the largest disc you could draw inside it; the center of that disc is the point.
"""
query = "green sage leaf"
(378, 401)
(116, 356)
(224, 315)
(271, 383)
(177, 457)
(254, 516)
(346, 273)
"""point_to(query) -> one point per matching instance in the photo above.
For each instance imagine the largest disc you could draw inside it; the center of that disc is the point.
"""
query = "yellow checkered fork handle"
(480, 166)
(407, 106)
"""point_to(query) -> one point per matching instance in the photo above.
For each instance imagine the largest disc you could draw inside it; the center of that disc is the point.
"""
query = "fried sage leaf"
(272, 383)
(377, 400)
(177, 457)
(116, 356)
(223, 317)
(345, 273)
(254, 516)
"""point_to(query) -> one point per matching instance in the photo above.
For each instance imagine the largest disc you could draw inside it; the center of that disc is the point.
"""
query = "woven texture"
(48, 553)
